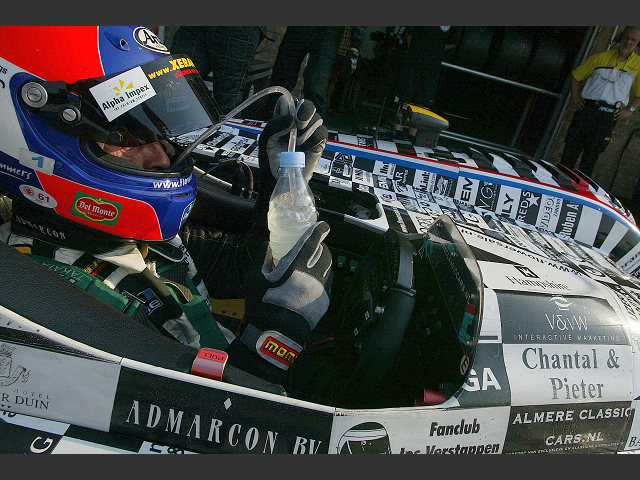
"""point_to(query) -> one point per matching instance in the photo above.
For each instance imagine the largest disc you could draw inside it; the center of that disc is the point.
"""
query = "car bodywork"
(509, 301)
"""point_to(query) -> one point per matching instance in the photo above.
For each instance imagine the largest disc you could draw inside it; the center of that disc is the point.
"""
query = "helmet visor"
(155, 101)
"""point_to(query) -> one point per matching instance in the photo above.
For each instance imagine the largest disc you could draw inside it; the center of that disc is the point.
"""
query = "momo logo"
(95, 209)
(279, 351)
(149, 40)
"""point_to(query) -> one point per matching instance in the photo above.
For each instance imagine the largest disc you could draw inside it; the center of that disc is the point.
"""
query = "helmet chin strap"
(31, 221)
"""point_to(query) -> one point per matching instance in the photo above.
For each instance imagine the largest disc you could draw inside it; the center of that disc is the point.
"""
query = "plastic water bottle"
(291, 207)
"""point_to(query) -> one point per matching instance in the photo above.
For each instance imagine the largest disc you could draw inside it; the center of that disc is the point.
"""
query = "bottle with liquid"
(291, 207)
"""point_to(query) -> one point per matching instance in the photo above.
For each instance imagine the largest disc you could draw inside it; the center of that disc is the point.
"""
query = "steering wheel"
(379, 346)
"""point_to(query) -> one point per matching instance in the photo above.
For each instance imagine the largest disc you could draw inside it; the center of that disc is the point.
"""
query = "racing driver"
(97, 184)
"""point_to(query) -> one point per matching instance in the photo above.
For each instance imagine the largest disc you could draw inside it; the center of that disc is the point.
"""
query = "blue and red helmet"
(65, 93)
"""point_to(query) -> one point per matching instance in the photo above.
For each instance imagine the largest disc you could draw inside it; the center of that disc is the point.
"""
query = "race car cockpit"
(401, 329)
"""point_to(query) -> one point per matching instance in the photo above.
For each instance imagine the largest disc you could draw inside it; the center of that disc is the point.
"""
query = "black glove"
(351, 62)
(274, 139)
(282, 306)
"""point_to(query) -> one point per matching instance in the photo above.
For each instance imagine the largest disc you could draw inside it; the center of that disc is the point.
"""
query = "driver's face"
(148, 157)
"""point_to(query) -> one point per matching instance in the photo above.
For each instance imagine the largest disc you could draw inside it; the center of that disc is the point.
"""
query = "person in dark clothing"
(225, 51)
(344, 68)
(321, 43)
(419, 74)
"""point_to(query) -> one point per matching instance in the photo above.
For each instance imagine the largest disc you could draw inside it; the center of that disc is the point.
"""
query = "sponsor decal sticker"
(149, 40)
(422, 222)
(549, 213)
(95, 209)
(532, 318)
(37, 196)
(397, 218)
(43, 229)
(122, 92)
(484, 381)
(486, 384)
(8, 374)
(201, 417)
(473, 431)
(387, 197)
(277, 349)
(186, 212)
(568, 373)
(15, 172)
(342, 183)
(528, 207)
(508, 201)
(633, 439)
(40, 382)
(403, 175)
(467, 190)
(168, 184)
(568, 221)
(25, 439)
(487, 197)
(152, 300)
(184, 65)
(567, 428)
(384, 169)
(362, 177)
(342, 166)
(365, 438)
(464, 364)
(409, 203)
(36, 161)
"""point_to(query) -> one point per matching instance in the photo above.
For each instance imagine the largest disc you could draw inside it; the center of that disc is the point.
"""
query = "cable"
(239, 108)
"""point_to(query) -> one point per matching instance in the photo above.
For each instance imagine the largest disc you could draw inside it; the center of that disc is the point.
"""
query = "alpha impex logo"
(124, 93)
(95, 209)
(121, 93)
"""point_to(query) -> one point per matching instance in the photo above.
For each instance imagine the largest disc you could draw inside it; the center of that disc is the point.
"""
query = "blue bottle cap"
(292, 159)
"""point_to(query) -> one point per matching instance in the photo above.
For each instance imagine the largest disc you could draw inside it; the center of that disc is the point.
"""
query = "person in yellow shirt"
(601, 87)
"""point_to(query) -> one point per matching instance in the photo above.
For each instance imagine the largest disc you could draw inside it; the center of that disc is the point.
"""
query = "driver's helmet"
(369, 437)
(71, 97)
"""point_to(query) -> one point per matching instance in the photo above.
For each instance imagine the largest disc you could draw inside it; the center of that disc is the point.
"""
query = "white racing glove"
(283, 306)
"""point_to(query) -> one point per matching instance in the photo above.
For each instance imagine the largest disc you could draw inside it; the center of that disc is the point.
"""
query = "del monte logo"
(95, 209)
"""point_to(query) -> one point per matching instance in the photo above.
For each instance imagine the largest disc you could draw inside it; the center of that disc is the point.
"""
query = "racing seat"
(47, 299)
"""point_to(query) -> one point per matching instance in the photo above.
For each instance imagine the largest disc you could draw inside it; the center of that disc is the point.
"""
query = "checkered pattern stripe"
(25, 434)
(415, 184)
